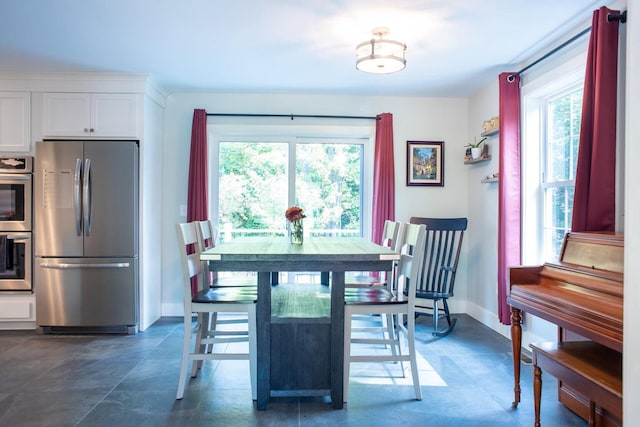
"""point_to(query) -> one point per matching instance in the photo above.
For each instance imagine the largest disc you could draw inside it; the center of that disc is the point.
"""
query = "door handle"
(67, 265)
(76, 197)
(86, 197)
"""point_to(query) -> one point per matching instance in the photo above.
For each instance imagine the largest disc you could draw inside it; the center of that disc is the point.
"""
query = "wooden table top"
(272, 249)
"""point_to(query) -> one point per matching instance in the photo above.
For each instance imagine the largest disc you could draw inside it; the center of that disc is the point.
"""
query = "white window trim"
(569, 70)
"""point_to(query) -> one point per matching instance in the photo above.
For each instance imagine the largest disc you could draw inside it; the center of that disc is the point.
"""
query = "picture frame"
(425, 163)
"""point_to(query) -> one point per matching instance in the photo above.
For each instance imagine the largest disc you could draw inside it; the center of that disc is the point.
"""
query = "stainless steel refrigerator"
(86, 236)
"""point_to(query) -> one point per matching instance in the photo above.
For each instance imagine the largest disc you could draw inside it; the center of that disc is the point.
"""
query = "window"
(552, 108)
(253, 180)
(256, 186)
(560, 156)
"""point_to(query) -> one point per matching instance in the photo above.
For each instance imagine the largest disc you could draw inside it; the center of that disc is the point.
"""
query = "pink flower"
(294, 213)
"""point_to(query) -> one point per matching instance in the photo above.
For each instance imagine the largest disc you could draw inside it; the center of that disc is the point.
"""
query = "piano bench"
(587, 366)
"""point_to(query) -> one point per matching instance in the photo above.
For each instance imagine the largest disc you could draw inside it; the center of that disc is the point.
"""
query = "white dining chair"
(391, 238)
(382, 301)
(200, 342)
(207, 237)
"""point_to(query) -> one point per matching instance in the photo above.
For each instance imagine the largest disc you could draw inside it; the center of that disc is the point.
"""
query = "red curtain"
(509, 219)
(383, 176)
(197, 205)
(595, 191)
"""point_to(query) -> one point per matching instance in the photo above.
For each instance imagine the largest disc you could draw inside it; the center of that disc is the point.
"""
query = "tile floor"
(71, 380)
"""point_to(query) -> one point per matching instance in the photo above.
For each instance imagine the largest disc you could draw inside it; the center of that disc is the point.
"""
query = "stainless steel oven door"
(15, 262)
(15, 202)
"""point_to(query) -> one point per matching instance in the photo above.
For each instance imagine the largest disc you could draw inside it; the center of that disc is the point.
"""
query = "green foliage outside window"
(254, 187)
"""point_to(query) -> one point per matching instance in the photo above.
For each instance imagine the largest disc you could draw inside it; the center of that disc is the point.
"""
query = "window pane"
(328, 178)
(558, 210)
(562, 136)
(252, 188)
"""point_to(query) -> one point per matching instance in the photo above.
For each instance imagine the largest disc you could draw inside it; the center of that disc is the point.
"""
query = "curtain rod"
(622, 17)
(293, 116)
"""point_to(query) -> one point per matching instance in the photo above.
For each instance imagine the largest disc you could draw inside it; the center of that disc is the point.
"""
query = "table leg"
(263, 320)
(324, 278)
(337, 338)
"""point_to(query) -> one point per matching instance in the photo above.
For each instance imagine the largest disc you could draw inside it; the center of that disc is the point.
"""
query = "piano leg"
(516, 347)
(537, 393)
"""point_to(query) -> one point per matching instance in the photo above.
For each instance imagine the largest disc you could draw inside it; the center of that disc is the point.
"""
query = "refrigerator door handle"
(67, 265)
(86, 197)
(76, 197)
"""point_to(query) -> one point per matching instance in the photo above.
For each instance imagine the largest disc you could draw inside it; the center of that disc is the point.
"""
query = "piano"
(582, 293)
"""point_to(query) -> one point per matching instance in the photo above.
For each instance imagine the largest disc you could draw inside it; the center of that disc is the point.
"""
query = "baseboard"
(172, 310)
(490, 320)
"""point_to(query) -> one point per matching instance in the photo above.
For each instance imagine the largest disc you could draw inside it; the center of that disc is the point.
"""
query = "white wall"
(482, 298)
(421, 119)
(151, 180)
(631, 368)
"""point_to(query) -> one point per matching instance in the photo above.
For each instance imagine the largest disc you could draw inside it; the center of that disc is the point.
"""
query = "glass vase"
(296, 231)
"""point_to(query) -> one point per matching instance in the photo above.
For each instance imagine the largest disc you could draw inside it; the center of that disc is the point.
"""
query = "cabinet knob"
(86, 130)
(92, 130)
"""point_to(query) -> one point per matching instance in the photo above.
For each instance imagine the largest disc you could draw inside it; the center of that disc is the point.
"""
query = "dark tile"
(93, 380)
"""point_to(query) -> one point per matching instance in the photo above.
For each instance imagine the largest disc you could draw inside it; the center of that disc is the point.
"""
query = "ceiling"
(454, 47)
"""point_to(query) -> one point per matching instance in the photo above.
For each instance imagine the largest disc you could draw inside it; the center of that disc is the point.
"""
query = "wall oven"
(16, 186)
(15, 261)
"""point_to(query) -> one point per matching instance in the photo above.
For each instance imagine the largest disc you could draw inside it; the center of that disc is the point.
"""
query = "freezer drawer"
(86, 292)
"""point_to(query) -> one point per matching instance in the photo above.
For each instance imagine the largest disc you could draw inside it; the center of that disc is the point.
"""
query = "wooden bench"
(592, 368)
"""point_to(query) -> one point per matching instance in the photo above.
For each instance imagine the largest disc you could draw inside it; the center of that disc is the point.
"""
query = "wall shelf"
(489, 180)
(490, 132)
(478, 160)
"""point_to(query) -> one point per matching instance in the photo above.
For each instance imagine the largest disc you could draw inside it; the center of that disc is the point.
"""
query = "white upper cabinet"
(90, 115)
(15, 121)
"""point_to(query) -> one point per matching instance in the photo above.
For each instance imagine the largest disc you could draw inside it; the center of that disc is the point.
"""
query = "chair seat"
(227, 294)
(432, 295)
(371, 295)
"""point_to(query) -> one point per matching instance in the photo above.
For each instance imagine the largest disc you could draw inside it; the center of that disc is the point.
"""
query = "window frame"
(294, 134)
(561, 76)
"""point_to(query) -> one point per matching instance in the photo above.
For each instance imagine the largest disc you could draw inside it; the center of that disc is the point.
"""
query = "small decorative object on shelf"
(491, 178)
(295, 215)
(476, 149)
(490, 127)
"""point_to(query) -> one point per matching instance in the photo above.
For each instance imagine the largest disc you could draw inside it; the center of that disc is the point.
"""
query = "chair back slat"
(391, 234)
(441, 254)
(206, 235)
(410, 264)
(188, 246)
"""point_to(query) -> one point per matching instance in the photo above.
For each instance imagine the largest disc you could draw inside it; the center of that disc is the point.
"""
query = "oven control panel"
(16, 165)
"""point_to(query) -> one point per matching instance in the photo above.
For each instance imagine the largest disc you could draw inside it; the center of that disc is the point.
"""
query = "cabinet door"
(15, 121)
(66, 114)
(114, 115)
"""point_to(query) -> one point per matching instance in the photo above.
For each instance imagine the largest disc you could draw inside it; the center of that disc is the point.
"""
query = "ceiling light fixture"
(380, 56)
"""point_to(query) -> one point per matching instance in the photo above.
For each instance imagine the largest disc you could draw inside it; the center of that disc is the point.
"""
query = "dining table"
(300, 327)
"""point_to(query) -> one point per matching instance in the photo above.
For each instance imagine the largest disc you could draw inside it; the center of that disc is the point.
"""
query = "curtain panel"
(595, 193)
(509, 197)
(383, 176)
(197, 203)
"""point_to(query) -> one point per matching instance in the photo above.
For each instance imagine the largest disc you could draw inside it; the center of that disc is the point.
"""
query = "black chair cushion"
(227, 294)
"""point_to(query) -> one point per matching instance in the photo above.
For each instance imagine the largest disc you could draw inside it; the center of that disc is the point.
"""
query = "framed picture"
(425, 163)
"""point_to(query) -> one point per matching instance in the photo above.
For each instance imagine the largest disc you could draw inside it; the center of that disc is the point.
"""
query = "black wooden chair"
(441, 254)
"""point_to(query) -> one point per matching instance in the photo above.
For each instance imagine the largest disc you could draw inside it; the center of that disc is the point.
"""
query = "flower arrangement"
(294, 213)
